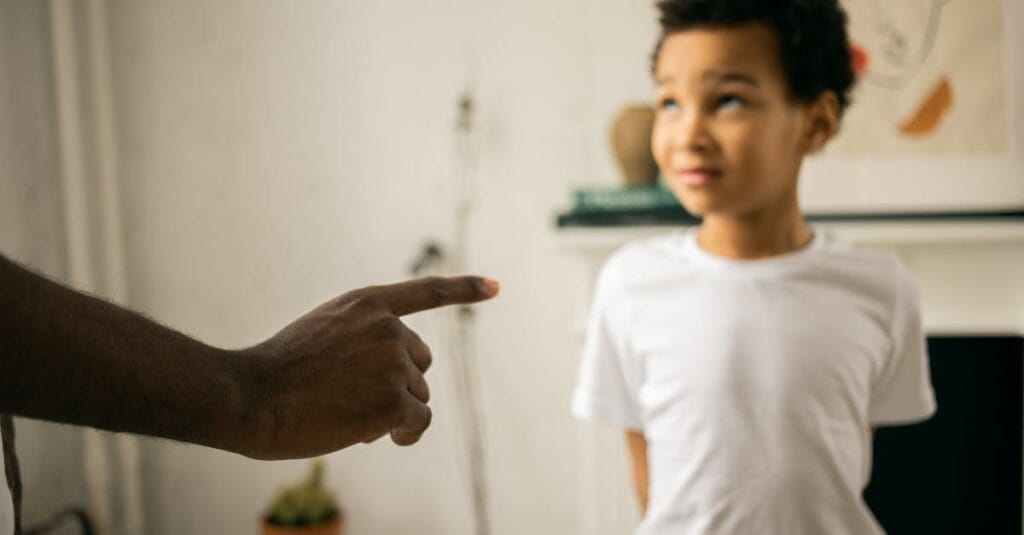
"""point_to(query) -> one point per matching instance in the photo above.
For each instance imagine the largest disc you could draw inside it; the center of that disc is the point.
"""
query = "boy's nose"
(691, 133)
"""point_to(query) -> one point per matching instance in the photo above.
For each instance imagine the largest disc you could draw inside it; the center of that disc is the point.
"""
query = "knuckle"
(363, 299)
(400, 370)
(418, 385)
(391, 371)
(414, 425)
(354, 296)
(415, 339)
(419, 351)
(388, 327)
(440, 290)
(417, 418)
(394, 406)
(426, 416)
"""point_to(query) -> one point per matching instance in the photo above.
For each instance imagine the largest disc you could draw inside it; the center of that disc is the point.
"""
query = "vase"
(334, 527)
(631, 143)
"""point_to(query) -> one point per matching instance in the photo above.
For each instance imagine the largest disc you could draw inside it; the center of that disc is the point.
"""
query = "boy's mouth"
(698, 176)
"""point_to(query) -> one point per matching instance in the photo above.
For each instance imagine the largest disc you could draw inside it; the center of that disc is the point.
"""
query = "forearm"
(72, 358)
(636, 443)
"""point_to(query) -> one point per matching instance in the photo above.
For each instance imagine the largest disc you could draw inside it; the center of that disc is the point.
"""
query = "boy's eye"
(729, 101)
(667, 104)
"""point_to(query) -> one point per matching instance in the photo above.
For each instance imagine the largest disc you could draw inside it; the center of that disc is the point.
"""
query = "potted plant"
(305, 509)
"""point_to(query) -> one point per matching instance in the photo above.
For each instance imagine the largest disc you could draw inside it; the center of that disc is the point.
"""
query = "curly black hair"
(812, 36)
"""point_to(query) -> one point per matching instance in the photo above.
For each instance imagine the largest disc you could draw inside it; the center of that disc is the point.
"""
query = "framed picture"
(937, 122)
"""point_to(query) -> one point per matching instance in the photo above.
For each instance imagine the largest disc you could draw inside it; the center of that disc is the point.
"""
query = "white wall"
(31, 221)
(276, 153)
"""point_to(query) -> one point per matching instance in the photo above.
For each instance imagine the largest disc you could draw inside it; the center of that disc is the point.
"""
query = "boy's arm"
(637, 445)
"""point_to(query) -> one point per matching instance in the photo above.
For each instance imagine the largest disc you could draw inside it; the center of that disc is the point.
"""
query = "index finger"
(433, 292)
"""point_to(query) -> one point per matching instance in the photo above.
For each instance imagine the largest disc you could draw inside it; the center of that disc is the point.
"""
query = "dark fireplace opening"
(959, 472)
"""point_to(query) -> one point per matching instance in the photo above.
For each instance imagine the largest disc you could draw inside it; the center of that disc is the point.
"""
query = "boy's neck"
(760, 235)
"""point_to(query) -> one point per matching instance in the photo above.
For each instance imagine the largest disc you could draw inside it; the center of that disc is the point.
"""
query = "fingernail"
(491, 285)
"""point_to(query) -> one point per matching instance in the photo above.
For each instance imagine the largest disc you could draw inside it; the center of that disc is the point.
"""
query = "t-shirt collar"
(693, 251)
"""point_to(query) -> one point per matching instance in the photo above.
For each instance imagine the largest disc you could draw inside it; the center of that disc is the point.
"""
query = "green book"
(623, 199)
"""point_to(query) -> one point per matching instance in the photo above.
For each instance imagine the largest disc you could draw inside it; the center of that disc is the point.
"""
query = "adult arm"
(347, 372)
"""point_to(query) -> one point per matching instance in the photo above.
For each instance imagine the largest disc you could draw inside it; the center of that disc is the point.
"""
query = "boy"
(749, 360)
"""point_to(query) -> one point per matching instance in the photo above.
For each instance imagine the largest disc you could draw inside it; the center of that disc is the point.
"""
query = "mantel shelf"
(879, 232)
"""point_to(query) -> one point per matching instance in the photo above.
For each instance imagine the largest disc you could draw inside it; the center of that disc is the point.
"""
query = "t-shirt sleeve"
(608, 381)
(902, 391)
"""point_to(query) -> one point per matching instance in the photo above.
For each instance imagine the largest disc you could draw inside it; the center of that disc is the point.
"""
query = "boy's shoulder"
(637, 261)
(877, 275)
(842, 252)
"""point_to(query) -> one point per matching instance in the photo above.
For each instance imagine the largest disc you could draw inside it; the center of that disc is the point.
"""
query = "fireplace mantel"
(889, 234)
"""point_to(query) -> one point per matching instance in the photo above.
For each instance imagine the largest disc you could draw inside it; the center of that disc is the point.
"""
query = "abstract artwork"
(931, 77)
(937, 122)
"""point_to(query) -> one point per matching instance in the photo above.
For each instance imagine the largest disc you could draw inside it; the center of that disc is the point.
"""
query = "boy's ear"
(823, 123)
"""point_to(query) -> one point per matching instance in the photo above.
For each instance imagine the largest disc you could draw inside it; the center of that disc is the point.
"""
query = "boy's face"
(728, 138)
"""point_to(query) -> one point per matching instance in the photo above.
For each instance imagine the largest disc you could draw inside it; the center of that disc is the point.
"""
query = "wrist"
(238, 427)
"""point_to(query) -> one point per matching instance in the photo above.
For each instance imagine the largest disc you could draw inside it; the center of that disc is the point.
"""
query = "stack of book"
(611, 206)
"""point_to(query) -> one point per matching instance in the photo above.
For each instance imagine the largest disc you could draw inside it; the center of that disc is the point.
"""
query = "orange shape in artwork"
(929, 114)
(861, 59)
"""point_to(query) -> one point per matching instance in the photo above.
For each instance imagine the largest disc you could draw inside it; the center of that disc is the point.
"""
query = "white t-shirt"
(6, 506)
(756, 383)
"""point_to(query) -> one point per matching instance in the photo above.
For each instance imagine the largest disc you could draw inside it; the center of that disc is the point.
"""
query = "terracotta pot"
(334, 527)
(631, 141)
